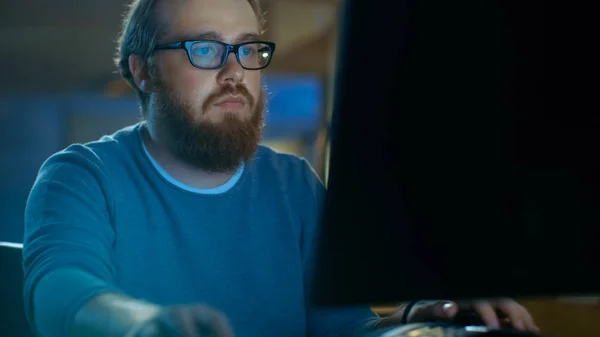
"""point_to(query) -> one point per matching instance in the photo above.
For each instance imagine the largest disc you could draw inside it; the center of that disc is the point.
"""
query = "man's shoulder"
(284, 166)
(122, 139)
(266, 153)
(93, 155)
(267, 158)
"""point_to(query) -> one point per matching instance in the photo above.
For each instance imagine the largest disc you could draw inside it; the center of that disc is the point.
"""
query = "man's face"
(210, 118)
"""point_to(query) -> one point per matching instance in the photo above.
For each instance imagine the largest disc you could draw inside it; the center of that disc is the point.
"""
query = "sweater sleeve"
(67, 250)
(325, 321)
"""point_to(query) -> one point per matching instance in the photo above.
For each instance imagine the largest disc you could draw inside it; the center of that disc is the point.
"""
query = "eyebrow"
(213, 35)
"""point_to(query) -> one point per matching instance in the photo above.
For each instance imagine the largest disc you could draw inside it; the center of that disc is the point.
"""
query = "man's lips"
(232, 101)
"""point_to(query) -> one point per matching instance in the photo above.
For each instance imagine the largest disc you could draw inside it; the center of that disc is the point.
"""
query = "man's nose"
(232, 71)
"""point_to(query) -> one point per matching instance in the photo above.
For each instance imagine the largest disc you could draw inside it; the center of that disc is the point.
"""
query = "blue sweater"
(104, 217)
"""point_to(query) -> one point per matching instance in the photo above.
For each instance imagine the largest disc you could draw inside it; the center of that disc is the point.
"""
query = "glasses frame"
(229, 48)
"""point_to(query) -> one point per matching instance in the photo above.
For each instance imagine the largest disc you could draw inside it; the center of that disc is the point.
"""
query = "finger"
(180, 322)
(427, 311)
(514, 313)
(529, 321)
(487, 314)
(213, 323)
(438, 310)
(450, 309)
(518, 315)
(222, 328)
(505, 322)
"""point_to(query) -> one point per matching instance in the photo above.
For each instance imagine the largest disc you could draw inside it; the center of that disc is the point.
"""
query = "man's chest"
(208, 250)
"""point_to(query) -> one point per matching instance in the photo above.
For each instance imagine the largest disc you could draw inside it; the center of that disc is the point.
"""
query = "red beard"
(213, 147)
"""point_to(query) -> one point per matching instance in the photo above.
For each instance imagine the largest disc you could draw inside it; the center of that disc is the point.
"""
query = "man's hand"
(494, 314)
(184, 321)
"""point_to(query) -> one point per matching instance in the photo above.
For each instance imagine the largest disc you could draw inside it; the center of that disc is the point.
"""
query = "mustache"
(238, 89)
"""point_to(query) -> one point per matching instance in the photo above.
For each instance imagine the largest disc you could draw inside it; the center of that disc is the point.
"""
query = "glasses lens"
(254, 55)
(207, 54)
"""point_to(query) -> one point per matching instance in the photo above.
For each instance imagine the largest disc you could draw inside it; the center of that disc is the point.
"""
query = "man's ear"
(139, 70)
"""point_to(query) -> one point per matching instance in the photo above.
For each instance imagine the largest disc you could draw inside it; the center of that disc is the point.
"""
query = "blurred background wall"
(58, 86)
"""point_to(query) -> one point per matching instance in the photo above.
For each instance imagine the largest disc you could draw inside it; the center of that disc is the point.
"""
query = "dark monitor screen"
(457, 168)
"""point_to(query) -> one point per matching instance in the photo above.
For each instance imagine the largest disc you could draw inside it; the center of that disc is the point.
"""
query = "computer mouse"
(467, 318)
(439, 329)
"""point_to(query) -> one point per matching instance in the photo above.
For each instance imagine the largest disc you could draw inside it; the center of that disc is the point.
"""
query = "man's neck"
(183, 172)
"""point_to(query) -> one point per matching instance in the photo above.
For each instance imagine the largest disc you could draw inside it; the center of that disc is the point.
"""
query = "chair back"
(12, 311)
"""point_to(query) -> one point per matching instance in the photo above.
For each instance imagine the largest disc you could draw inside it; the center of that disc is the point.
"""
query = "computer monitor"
(453, 173)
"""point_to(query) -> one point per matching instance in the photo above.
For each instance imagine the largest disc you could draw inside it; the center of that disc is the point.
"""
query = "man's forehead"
(216, 35)
(226, 20)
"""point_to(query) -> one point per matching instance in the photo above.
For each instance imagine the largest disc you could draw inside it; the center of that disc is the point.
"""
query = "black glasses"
(210, 54)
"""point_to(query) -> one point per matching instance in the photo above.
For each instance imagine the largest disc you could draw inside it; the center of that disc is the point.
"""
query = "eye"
(205, 50)
(247, 50)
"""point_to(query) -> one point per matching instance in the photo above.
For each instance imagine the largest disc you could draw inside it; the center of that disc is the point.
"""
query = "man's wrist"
(112, 314)
(402, 315)
(405, 317)
(142, 329)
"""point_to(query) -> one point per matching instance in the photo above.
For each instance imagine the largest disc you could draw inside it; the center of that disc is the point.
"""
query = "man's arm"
(67, 252)
(322, 322)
